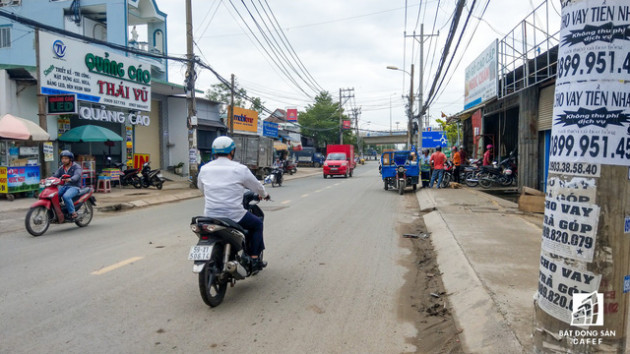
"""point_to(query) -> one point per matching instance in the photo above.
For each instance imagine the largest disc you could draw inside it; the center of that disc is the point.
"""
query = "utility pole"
(420, 38)
(192, 106)
(41, 107)
(343, 94)
(231, 110)
(582, 303)
(356, 112)
(410, 118)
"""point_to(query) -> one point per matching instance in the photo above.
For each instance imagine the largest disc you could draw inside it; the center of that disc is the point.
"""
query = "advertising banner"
(346, 124)
(270, 129)
(481, 77)
(591, 121)
(94, 74)
(62, 104)
(245, 120)
(22, 179)
(292, 114)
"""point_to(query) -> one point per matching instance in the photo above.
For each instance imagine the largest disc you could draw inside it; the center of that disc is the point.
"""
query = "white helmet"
(223, 145)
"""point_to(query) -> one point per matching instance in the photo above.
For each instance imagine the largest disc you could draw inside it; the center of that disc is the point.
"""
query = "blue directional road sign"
(431, 140)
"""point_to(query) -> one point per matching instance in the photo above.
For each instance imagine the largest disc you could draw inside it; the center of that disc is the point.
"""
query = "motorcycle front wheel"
(446, 180)
(136, 182)
(85, 214)
(37, 221)
(471, 179)
(211, 287)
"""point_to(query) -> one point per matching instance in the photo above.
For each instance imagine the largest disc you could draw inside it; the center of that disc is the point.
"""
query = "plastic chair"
(104, 184)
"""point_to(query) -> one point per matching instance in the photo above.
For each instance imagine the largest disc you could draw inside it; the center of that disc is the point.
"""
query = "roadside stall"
(19, 156)
(90, 134)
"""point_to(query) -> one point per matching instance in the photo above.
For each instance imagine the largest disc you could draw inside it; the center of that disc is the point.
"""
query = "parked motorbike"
(151, 177)
(448, 174)
(469, 173)
(130, 176)
(274, 177)
(221, 255)
(503, 174)
(289, 167)
(51, 209)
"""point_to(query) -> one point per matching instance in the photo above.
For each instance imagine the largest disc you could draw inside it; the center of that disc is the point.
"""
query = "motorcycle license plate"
(200, 253)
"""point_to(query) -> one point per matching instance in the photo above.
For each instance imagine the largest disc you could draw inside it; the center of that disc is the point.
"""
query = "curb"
(148, 202)
(483, 328)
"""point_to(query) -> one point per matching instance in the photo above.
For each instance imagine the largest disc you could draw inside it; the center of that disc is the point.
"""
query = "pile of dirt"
(424, 292)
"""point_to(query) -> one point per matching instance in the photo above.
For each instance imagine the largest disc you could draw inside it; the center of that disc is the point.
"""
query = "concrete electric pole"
(190, 86)
(343, 94)
(231, 110)
(582, 303)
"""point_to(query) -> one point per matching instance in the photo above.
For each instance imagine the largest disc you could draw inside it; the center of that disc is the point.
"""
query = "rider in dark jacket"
(71, 187)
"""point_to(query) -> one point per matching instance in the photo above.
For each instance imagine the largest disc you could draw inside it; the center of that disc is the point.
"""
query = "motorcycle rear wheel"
(484, 180)
(212, 289)
(85, 215)
(37, 221)
(446, 180)
(159, 185)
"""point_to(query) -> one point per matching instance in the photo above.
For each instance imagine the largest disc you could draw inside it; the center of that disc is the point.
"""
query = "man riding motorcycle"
(71, 187)
(223, 183)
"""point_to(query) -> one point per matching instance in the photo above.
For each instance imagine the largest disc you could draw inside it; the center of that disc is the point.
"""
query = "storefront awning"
(280, 146)
(209, 123)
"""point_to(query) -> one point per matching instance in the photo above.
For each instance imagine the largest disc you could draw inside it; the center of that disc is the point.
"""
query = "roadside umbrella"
(16, 128)
(89, 134)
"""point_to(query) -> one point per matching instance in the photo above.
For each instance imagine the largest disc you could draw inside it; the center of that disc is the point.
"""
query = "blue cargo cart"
(400, 169)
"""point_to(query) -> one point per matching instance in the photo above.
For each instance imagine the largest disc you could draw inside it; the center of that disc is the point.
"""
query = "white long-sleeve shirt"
(223, 183)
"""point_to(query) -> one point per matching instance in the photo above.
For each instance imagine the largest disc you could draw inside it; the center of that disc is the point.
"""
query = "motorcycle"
(470, 173)
(50, 208)
(289, 167)
(151, 177)
(220, 257)
(274, 177)
(503, 174)
(130, 176)
(447, 177)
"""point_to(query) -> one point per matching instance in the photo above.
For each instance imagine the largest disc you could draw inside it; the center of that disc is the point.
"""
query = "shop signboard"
(481, 77)
(63, 125)
(94, 74)
(48, 151)
(346, 124)
(245, 120)
(292, 114)
(270, 129)
(140, 159)
(20, 179)
(62, 104)
(4, 188)
(114, 116)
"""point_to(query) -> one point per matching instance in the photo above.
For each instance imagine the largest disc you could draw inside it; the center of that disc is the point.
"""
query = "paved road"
(124, 285)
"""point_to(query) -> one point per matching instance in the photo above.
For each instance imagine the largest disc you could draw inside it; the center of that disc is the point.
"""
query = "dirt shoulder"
(423, 300)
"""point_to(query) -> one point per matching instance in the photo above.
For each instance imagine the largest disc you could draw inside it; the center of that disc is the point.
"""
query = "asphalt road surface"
(124, 284)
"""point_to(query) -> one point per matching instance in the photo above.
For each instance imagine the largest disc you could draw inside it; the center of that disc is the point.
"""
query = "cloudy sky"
(341, 44)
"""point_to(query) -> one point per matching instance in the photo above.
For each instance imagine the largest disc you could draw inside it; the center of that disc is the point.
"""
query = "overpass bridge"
(385, 138)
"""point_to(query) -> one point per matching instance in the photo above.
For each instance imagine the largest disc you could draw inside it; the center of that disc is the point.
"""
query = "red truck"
(339, 160)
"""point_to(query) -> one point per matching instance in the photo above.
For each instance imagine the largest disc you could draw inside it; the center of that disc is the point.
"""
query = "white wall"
(177, 138)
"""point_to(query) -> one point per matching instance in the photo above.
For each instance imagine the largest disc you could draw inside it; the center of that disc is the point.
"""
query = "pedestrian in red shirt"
(487, 156)
(438, 159)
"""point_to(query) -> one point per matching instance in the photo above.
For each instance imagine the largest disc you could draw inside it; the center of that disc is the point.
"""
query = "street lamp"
(410, 118)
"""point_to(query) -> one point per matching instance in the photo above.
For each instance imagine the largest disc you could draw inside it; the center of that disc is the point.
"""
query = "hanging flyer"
(557, 282)
(570, 229)
(591, 120)
(577, 189)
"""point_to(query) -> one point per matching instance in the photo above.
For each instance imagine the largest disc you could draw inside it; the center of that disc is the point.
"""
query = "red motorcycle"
(49, 209)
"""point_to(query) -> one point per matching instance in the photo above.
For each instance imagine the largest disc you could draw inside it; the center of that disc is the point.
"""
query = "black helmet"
(439, 148)
(67, 153)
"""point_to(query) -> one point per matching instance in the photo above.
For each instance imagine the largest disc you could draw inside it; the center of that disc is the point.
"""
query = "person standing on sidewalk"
(438, 159)
(457, 161)
(425, 168)
(487, 156)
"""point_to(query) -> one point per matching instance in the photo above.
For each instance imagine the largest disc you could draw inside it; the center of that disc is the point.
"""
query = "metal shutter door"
(545, 108)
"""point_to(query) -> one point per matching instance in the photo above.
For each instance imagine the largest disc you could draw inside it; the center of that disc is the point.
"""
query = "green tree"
(221, 93)
(450, 129)
(321, 121)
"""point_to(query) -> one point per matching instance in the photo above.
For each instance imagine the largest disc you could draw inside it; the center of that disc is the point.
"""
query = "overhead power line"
(449, 41)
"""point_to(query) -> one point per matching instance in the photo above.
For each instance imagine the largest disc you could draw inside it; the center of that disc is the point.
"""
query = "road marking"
(319, 190)
(336, 184)
(286, 202)
(328, 187)
(116, 266)
(304, 195)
